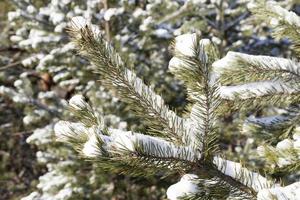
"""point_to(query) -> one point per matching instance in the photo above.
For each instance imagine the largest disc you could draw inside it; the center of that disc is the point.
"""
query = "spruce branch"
(265, 80)
(233, 180)
(273, 128)
(83, 111)
(205, 94)
(131, 153)
(192, 64)
(194, 141)
(204, 133)
(273, 122)
(127, 152)
(128, 86)
(198, 188)
(123, 151)
(259, 89)
(282, 159)
(254, 181)
(285, 23)
(238, 68)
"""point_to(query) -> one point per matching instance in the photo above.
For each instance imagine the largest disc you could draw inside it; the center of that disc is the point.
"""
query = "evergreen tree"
(269, 84)
(51, 72)
(190, 146)
(185, 142)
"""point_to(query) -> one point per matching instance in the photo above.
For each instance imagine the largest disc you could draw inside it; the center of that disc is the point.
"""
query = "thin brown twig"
(22, 133)
(10, 65)
(107, 28)
(10, 49)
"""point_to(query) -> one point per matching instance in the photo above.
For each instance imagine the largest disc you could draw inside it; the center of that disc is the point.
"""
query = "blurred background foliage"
(18, 166)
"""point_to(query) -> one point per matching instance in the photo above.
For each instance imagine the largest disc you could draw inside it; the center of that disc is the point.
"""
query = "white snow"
(46, 95)
(65, 129)
(186, 186)
(20, 98)
(78, 103)
(185, 44)
(175, 64)
(64, 193)
(7, 91)
(90, 148)
(78, 22)
(16, 38)
(61, 76)
(238, 172)
(261, 151)
(138, 13)
(122, 140)
(267, 121)
(12, 15)
(162, 33)
(205, 42)
(15, 96)
(60, 27)
(28, 62)
(291, 192)
(264, 194)
(256, 89)
(198, 2)
(281, 162)
(216, 40)
(284, 145)
(41, 136)
(296, 146)
(52, 179)
(44, 157)
(289, 16)
(18, 83)
(296, 135)
(183, 152)
(65, 2)
(126, 140)
(264, 62)
(274, 22)
(29, 119)
(36, 38)
(57, 17)
(32, 196)
(109, 13)
(65, 83)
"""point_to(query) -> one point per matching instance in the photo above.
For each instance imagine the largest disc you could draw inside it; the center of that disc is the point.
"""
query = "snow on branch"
(255, 90)
(282, 158)
(284, 120)
(165, 149)
(125, 147)
(270, 121)
(268, 79)
(124, 81)
(285, 23)
(244, 68)
(181, 145)
(186, 186)
(192, 60)
(192, 64)
(242, 174)
(290, 192)
(121, 142)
